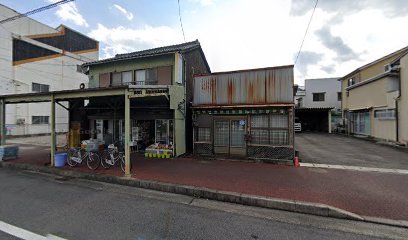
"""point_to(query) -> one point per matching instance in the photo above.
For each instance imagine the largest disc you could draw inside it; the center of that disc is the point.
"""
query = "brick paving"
(372, 194)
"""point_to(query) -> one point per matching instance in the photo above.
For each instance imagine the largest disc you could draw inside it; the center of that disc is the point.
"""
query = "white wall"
(330, 86)
(25, 25)
(59, 73)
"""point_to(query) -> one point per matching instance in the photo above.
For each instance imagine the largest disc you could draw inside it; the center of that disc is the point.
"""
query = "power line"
(35, 11)
(181, 23)
(307, 28)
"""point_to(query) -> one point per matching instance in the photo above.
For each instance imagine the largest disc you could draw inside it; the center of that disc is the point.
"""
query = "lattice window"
(271, 129)
(221, 134)
(204, 134)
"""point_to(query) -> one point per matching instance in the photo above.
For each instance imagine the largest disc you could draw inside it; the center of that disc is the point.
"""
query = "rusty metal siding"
(262, 86)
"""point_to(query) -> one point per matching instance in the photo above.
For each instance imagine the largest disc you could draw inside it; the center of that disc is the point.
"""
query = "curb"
(206, 193)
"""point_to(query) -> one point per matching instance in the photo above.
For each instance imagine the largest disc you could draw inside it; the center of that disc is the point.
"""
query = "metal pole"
(53, 144)
(329, 122)
(2, 122)
(127, 134)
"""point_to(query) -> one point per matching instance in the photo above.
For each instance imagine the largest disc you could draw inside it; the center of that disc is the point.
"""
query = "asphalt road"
(79, 209)
(336, 149)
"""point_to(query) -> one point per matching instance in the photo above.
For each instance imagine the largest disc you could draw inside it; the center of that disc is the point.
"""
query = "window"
(40, 119)
(270, 129)
(116, 79)
(338, 96)
(203, 134)
(385, 114)
(140, 77)
(221, 133)
(127, 78)
(120, 78)
(318, 97)
(351, 82)
(146, 76)
(36, 87)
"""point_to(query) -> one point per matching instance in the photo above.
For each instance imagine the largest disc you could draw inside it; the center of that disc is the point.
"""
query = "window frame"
(40, 120)
(197, 137)
(318, 99)
(41, 87)
(385, 114)
(269, 129)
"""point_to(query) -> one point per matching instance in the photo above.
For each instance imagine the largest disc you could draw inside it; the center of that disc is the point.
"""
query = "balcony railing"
(139, 83)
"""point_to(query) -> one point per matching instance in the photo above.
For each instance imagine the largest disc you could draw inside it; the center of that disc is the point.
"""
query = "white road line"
(25, 234)
(355, 168)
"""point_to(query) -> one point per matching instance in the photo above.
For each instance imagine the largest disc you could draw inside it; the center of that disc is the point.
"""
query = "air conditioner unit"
(20, 121)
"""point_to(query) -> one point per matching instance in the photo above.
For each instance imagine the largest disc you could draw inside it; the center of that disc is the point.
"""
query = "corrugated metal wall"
(262, 86)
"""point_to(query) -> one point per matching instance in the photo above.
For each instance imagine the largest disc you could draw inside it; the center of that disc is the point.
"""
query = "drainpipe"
(396, 107)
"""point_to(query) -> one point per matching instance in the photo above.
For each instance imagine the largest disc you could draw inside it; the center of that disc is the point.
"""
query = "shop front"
(261, 134)
(245, 114)
(151, 124)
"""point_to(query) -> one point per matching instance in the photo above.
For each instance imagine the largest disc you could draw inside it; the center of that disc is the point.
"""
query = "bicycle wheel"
(93, 161)
(122, 162)
(104, 157)
(72, 153)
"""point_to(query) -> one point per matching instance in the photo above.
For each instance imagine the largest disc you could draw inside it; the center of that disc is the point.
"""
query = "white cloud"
(125, 12)
(204, 2)
(122, 39)
(69, 12)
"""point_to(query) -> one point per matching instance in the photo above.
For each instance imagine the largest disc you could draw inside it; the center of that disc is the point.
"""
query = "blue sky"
(242, 34)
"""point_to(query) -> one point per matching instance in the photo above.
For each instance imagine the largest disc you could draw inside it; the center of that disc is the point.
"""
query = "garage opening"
(314, 119)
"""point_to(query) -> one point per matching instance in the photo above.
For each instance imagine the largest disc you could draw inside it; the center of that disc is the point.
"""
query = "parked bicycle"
(112, 156)
(76, 156)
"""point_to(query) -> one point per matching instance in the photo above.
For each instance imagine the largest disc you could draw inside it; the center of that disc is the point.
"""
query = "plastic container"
(60, 159)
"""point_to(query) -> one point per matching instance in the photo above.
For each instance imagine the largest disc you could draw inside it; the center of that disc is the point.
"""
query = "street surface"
(77, 209)
(336, 149)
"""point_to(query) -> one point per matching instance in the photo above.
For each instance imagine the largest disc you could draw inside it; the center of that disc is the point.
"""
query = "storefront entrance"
(229, 137)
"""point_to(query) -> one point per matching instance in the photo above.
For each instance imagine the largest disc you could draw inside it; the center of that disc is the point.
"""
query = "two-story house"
(375, 98)
(161, 85)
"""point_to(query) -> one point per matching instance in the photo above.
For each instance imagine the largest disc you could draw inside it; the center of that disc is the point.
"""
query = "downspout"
(396, 107)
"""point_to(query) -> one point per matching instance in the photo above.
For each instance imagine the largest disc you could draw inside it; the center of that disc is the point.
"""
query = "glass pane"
(116, 79)
(35, 120)
(36, 87)
(170, 140)
(140, 77)
(278, 121)
(162, 135)
(237, 133)
(259, 121)
(127, 77)
(204, 135)
(260, 136)
(151, 76)
(278, 137)
(221, 134)
(45, 88)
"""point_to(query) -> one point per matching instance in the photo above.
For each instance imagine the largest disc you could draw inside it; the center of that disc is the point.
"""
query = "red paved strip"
(365, 193)
(369, 194)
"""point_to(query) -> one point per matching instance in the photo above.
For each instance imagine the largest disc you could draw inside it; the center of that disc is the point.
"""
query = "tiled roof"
(150, 52)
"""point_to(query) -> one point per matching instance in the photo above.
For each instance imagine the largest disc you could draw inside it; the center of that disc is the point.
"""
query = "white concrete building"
(318, 105)
(35, 57)
(322, 93)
